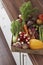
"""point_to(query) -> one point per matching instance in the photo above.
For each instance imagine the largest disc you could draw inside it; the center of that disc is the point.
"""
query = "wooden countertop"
(6, 57)
(12, 8)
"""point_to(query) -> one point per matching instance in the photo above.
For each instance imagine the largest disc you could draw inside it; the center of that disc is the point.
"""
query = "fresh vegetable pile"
(27, 30)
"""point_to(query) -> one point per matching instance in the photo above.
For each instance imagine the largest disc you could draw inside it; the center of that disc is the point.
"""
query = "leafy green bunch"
(26, 10)
(15, 27)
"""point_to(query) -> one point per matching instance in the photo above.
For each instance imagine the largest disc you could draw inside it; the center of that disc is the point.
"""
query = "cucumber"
(41, 32)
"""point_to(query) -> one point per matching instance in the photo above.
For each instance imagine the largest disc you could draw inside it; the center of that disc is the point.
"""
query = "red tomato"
(41, 17)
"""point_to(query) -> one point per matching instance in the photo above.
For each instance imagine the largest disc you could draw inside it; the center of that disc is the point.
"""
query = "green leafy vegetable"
(26, 10)
(15, 27)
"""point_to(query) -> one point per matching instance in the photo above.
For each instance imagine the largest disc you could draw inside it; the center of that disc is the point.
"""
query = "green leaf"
(26, 10)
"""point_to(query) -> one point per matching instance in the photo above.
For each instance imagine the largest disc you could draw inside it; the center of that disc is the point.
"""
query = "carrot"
(24, 25)
(25, 29)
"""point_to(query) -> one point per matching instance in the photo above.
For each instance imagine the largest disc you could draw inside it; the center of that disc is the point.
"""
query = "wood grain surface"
(6, 57)
(13, 7)
(29, 51)
(38, 4)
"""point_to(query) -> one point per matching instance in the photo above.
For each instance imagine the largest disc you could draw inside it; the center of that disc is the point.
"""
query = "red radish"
(21, 35)
(26, 40)
(21, 38)
(24, 37)
(22, 43)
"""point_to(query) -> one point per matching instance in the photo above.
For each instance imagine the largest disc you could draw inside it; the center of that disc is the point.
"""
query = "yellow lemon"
(36, 44)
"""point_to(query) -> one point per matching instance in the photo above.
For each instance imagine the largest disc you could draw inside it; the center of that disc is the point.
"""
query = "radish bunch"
(23, 38)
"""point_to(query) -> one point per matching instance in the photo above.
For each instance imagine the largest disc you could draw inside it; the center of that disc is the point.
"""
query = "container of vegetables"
(27, 30)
